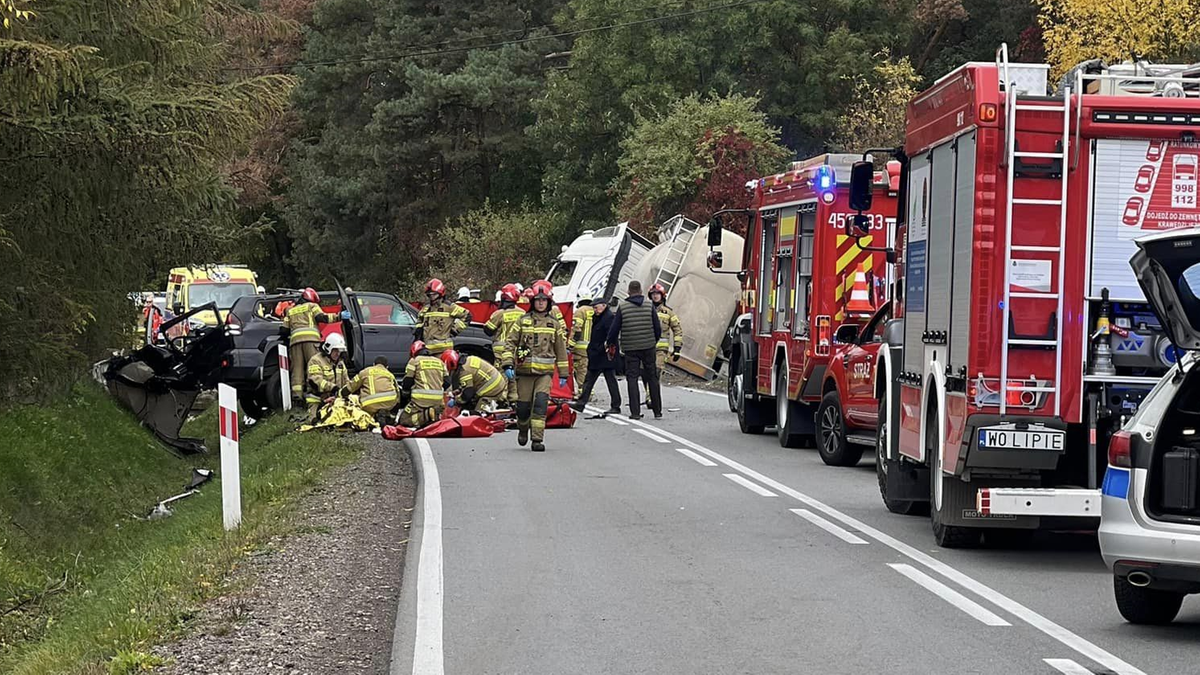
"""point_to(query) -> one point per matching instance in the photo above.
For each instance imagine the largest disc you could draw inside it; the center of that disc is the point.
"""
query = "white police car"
(1150, 522)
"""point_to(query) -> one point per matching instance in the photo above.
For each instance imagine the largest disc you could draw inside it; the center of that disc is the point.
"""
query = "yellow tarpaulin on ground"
(342, 414)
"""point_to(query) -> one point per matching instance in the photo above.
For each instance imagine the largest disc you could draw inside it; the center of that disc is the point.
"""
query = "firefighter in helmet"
(499, 325)
(304, 338)
(581, 335)
(669, 320)
(440, 320)
(376, 389)
(473, 380)
(537, 345)
(424, 387)
(326, 374)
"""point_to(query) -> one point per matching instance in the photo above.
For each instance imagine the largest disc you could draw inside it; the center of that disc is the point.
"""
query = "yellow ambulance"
(198, 285)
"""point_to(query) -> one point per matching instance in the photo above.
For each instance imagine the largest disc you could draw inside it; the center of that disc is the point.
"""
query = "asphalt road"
(684, 546)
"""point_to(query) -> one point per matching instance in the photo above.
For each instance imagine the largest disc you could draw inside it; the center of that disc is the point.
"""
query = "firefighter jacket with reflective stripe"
(426, 379)
(537, 344)
(439, 322)
(669, 320)
(562, 320)
(581, 333)
(481, 377)
(324, 378)
(302, 319)
(375, 386)
(499, 325)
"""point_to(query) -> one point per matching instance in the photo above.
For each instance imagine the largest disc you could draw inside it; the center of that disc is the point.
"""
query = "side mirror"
(178, 308)
(846, 334)
(714, 233)
(715, 260)
(859, 225)
(862, 178)
(743, 276)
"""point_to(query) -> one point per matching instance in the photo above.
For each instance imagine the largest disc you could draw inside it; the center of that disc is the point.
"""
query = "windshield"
(561, 273)
(222, 294)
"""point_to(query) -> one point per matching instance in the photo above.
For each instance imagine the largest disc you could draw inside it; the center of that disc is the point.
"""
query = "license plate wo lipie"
(1010, 439)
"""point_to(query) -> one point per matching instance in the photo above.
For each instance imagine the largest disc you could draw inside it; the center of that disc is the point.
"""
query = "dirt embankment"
(322, 599)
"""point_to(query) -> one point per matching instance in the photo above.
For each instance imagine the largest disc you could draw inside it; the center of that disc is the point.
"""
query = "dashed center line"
(653, 437)
(840, 533)
(753, 487)
(1067, 666)
(949, 595)
(702, 461)
(617, 421)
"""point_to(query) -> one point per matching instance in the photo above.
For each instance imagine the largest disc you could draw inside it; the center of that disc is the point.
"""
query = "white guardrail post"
(285, 376)
(231, 471)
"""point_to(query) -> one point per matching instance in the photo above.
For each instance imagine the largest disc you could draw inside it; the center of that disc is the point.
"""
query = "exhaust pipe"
(1139, 579)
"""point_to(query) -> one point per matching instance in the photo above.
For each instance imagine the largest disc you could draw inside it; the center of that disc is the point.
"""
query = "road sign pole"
(285, 376)
(231, 471)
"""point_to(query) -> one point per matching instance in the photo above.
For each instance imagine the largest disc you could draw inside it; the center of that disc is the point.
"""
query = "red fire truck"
(804, 282)
(1026, 340)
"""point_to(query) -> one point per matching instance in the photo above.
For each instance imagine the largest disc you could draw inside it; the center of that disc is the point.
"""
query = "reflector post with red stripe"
(231, 472)
(285, 376)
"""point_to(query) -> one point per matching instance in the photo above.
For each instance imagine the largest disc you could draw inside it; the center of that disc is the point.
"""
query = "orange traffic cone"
(860, 296)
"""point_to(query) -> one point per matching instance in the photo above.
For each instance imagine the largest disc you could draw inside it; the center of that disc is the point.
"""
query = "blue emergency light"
(824, 178)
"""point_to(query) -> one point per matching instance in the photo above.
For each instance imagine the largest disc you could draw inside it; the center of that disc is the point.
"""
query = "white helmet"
(464, 292)
(334, 341)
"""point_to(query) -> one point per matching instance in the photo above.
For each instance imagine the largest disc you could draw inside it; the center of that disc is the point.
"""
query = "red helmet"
(658, 288)
(310, 295)
(509, 292)
(450, 358)
(416, 348)
(435, 286)
(528, 292)
(543, 289)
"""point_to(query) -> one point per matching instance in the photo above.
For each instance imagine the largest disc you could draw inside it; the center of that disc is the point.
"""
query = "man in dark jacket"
(599, 362)
(637, 329)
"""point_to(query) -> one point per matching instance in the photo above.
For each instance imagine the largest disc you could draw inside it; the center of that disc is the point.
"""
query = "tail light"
(1120, 450)
(232, 320)
(1015, 394)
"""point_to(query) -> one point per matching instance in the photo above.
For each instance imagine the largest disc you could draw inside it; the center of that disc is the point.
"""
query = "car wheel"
(253, 405)
(1145, 605)
(946, 536)
(831, 433)
(882, 439)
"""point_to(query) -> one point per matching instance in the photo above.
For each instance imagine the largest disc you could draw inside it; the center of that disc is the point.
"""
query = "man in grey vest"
(637, 328)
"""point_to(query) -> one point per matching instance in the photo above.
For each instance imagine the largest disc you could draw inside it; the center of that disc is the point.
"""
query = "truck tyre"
(946, 536)
(831, 433)
(791, 427)
(750, 413)
(733, 385)
(1145, 605)
(882, 438)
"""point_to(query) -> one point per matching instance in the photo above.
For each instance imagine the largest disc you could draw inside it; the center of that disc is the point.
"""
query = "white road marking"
(753, 487)
(654, 437)
(1064, 636)
(617, 421)
(428, 653)
(702, 461)
(1067, 666)
(701, 391)
(949, 595)
(844, 535)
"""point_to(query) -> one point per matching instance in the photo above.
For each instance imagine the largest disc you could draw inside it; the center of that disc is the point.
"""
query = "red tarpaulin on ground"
(473, 426)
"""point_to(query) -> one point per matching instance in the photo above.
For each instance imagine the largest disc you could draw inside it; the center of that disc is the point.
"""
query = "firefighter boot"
(538, 446)
(523, 436)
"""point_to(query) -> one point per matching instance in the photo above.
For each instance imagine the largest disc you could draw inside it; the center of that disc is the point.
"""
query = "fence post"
(231, 471)
(285, 376)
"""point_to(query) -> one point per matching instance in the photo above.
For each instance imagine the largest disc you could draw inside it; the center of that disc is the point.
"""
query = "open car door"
(351, 329)
(1167, 266)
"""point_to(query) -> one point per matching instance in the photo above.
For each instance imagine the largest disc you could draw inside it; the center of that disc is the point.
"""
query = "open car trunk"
(1167, 267)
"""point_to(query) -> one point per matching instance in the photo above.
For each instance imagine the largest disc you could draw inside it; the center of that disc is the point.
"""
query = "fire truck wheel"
(942, 493)
(733, 388)
(750, 413)
(793, 420)
(882, 438)
(831, 434)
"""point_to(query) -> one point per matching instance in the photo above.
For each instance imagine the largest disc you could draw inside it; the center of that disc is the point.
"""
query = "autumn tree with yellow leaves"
(1119, 30)
(875, 116)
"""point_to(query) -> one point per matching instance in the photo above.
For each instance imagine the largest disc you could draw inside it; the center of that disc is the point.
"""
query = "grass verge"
(87, 585)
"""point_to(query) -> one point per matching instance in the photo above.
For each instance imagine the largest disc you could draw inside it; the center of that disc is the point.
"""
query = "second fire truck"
(1022, 339)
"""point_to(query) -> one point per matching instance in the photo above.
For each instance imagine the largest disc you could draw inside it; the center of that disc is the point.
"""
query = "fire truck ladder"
(1012, 253)
(681, 241)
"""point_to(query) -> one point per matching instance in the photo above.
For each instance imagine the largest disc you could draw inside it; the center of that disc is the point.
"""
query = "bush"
(489, 247)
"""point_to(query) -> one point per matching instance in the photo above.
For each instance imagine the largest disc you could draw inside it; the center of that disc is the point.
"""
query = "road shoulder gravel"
(322, 598)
